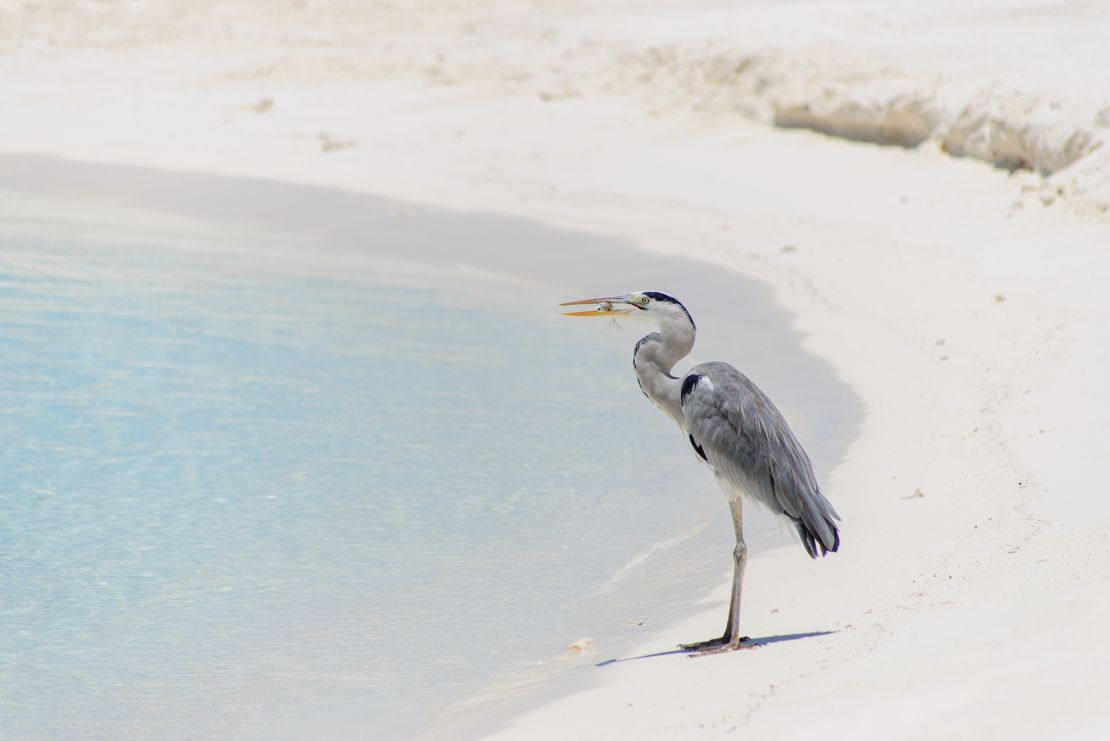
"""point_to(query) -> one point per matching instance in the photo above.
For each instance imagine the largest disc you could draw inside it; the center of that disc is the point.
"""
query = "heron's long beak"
(605, 306)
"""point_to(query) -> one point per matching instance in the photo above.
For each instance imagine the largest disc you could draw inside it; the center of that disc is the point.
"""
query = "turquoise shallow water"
(243, 501)
(284, 462)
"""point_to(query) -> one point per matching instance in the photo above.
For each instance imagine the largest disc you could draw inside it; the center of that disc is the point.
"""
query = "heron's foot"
(717, 646)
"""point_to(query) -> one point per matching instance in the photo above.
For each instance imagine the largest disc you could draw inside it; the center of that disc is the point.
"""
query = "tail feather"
(813, 541)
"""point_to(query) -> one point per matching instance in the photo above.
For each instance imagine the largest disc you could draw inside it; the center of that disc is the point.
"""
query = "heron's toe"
(718, 646)
(702, 645)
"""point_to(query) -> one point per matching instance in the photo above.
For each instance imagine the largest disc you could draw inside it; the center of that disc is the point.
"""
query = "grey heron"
(733, 428)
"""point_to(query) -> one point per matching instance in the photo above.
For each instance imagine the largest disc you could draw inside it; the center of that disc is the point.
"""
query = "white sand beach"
(925, 187)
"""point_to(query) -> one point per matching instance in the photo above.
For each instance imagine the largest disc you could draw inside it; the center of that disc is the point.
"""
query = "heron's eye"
(644, 300)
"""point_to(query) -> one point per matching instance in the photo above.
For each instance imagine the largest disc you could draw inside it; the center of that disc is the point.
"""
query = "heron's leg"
(740, 554)
(732, 639)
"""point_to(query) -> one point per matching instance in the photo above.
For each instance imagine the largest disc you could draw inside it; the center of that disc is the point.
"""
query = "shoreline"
(963, 303)
(662, 585)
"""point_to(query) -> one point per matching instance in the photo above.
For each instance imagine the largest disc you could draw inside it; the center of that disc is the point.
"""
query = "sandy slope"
(966, 305)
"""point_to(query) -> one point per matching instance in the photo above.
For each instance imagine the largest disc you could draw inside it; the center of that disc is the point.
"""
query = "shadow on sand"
(755, 642)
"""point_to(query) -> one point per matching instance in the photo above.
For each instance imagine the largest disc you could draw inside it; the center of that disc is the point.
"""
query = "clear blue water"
(244, 500)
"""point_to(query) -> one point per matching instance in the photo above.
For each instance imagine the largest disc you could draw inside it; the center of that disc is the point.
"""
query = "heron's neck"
(655, 356)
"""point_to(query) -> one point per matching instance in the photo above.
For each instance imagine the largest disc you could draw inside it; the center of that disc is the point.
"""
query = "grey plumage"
(744, 439)
(734, 429)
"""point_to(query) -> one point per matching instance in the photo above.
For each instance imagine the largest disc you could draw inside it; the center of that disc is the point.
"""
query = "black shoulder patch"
(688, 384)
(698, 449)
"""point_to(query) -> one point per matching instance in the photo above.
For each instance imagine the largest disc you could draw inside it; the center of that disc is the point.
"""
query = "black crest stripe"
(667, 298)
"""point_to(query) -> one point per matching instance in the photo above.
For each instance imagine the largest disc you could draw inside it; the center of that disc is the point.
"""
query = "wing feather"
(743, 438)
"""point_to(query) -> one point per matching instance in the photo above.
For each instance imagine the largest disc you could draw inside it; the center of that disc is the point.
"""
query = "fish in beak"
(604, 306)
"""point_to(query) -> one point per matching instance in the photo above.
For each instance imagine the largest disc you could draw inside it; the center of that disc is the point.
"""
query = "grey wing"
(740, 434)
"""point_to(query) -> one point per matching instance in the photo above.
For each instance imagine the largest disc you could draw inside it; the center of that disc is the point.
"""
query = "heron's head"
(655, 306)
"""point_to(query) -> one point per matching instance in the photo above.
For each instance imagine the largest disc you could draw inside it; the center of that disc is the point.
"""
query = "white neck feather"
(655, 356)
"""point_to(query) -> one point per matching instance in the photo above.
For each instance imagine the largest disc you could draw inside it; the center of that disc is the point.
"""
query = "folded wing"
(739, 433)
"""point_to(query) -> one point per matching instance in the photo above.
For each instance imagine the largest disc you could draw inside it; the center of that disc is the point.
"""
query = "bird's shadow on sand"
(755, 642)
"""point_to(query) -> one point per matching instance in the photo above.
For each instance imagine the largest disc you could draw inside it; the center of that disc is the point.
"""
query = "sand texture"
(925, 186)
